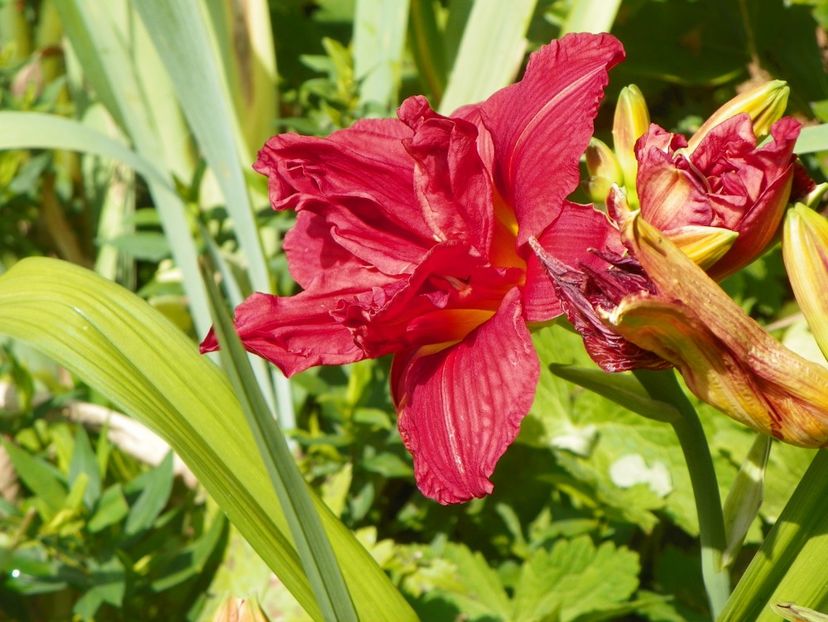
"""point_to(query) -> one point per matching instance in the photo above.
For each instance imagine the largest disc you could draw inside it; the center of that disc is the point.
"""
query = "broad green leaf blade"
(790, 565)
(812, 139)
(379, 42)
(490, 52)
(591, 16)
(135, 357)
(312, 544)
(621, 389)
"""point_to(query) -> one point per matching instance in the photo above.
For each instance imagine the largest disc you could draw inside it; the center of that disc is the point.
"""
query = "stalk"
(662, 385)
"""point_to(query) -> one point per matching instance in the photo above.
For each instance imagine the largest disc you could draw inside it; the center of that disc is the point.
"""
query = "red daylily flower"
(410, 239)
(726, 183)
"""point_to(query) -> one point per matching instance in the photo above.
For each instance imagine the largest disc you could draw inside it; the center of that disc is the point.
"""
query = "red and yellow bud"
(765, 104)
(805, 251)
(632, 119)
(726, 358)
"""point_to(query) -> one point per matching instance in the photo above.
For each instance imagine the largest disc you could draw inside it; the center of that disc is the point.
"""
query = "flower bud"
(805, 251)
(632, 119)
(603, 169)
(765, 105)
(239, 610)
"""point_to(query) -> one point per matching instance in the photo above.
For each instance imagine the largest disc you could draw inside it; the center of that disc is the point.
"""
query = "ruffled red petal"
(460, 408)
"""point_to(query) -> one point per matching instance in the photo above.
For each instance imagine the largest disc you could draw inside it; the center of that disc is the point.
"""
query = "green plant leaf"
(311, 542)
(379, 43)
(39, 476)
(490, 52)
(85, 462)
(111, 508)
(591, 16)
(620, 388)
(574, 579)
(790, 565)
(136, 358)
(155, 487)
(812, 139)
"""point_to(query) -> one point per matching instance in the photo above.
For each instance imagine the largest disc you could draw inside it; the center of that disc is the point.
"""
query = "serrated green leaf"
(573, 579)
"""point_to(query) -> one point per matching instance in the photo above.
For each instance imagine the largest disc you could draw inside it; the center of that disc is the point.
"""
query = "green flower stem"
(662, 385)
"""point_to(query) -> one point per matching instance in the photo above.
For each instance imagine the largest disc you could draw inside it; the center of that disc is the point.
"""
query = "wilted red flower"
(410, 239)
(726, 184)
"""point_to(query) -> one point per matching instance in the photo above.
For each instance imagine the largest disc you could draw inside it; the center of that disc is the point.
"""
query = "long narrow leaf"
(312, 544)
(490, 52)
(180, 33)
(379, 41)
(790, 565)
(103, 52)
(621, 389)
(37, 130)
(131, 354)
(812, 139)
(591, 16)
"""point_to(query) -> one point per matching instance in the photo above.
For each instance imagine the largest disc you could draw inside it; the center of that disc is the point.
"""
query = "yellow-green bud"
(632, 119)
(603, 169)
(765, 104)
(805, 251)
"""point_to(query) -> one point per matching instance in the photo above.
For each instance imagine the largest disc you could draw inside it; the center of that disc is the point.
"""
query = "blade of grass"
(312, 544)
(490, 52)
(136, 358)
(379, 42)
(591, 16)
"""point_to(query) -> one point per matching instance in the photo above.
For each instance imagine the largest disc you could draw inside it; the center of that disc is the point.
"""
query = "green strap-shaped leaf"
(812, 139)
(309, 536)
(591, 16)
(379, 42)
(490, 52)
(790, 565)
(134, 356)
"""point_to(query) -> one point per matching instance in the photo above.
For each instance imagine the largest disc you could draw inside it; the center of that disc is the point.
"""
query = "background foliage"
(155, 111)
